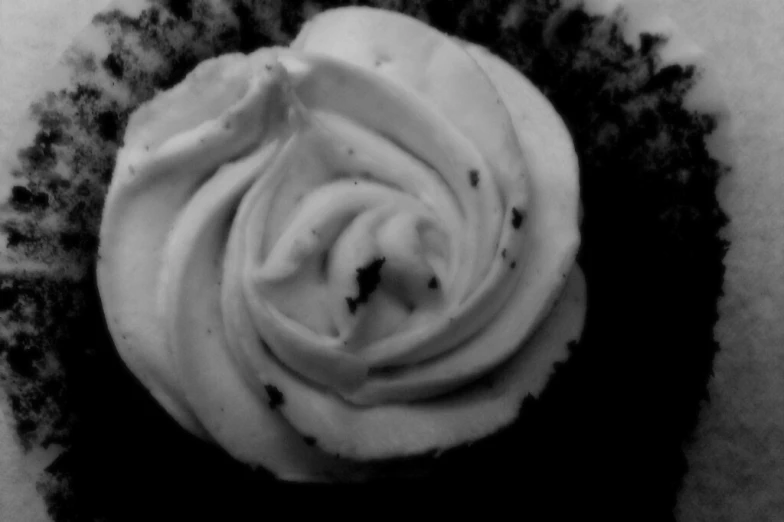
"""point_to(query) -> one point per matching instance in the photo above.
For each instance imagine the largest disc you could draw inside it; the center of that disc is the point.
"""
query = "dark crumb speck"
(274, 395)
(108, 125)
(24, 199)
(368, 278)
(114, 65)
(517, 218)
(473, 177)
(513, 265)
(182, 9)
(503, 253)
(648, 42)
(433, 283)
(310, 441)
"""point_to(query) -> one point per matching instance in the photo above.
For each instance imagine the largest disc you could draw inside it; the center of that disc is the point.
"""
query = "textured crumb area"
(736, 464)
(32, 37)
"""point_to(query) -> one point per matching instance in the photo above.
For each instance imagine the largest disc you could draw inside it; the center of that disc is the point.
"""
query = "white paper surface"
(33, 35)
(737, 461)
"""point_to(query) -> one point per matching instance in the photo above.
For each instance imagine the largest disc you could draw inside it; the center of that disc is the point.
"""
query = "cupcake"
(313, 255)
(262, 321)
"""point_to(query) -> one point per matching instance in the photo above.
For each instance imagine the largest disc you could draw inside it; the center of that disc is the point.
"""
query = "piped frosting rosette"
(358, 248)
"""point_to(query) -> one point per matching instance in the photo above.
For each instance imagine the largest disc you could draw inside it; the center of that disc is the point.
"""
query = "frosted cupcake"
(355, 249)
(602, 425)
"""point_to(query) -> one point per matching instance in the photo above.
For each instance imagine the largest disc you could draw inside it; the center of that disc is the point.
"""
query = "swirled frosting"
(323, 250)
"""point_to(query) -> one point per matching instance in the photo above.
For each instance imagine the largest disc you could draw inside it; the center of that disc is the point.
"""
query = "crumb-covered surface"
(624, 403)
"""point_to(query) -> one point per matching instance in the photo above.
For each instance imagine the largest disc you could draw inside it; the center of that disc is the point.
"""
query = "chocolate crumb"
(473, 177)
(310, 441)
(108, 125)
(368, 278)
(24, 199)
(433, 283)
(517, 218)
(114, 65)
(275, 396)
(182, 9)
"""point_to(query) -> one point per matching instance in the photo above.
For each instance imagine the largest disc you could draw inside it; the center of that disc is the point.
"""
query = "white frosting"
(364, 237)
